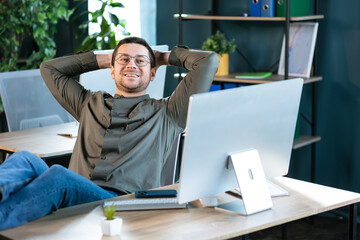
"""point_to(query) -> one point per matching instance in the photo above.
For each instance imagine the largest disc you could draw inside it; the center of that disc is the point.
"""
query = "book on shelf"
(253, 75)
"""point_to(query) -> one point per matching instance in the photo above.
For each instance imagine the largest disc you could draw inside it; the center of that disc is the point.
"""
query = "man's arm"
(202, 66)
(58, 75)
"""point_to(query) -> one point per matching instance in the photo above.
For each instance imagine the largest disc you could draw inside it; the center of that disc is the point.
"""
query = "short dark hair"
(136, 40)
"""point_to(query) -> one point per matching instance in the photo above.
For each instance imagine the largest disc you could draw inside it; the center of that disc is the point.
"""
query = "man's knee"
(58, 169)
(58, 173)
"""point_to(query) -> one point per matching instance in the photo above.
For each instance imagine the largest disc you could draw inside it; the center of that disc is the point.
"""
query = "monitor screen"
(220, 123)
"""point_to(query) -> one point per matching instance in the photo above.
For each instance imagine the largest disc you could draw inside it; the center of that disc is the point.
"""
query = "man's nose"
(131, 63)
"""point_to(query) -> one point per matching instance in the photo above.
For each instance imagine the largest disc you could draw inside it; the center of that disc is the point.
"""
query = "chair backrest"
(101, 79)
(169, 172)
(28, 103)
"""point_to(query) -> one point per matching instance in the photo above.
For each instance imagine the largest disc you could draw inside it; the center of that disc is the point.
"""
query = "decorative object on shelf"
(111, 226)
(218, 43)
(302, 41)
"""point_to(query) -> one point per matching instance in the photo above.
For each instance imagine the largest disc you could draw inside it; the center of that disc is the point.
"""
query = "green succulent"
(109, 211)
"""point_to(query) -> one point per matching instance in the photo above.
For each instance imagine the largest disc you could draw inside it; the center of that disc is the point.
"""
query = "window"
(140, 25)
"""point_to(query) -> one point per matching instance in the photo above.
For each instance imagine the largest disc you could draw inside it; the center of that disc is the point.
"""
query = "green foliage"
(29, 18)
(217, 43)
(109, 212)
(108, 23)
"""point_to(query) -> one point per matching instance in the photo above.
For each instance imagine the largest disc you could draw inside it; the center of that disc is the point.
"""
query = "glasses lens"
(123, 59)
(141, 61)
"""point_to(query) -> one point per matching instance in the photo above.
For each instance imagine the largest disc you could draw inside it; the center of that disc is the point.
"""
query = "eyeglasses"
(140, 60)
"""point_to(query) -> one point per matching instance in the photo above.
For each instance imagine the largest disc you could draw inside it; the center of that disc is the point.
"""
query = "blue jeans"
(29, 189)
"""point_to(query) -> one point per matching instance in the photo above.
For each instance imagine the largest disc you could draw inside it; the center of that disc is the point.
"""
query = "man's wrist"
(162, 58)
(165, 58)
(104, 60)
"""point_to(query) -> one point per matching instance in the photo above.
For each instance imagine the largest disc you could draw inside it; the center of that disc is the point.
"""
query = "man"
(123, 140)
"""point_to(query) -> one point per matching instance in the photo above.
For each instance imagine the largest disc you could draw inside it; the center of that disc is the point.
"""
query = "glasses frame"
(130, 58)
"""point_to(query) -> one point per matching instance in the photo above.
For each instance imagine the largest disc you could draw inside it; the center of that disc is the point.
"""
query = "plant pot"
(111, 227)
(223, 65)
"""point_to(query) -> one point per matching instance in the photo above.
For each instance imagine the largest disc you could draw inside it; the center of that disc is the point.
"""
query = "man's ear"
(112, 72)
(153, 72)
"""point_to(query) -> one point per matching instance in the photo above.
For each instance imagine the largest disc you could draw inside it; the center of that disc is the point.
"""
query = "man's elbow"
(43, 67)
(45, 70)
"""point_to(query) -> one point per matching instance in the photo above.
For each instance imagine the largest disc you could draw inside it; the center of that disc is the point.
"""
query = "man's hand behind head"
(161, 58)
(104, 60)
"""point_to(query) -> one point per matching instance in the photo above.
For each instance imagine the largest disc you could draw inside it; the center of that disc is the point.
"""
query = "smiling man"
(123, 140)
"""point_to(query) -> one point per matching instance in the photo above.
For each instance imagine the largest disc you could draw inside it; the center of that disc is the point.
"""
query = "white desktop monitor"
(220, 123)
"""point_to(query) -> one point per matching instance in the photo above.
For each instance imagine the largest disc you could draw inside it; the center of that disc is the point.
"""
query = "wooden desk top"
(44, 141)
(83, 221)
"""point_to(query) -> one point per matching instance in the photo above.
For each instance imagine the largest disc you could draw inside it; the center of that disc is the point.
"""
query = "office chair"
(27, 101)
(170, 170)
(101, 79)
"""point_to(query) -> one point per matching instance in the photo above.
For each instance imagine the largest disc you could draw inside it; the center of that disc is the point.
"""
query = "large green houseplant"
(36, 19)
(218, 43)
(28, 19)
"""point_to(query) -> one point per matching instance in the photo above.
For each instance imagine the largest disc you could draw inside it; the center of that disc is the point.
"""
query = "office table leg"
(284, 231)
(352, 221)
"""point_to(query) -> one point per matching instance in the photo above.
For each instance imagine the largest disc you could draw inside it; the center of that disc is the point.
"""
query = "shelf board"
(241, 18)
(273, 78)
(303, 141)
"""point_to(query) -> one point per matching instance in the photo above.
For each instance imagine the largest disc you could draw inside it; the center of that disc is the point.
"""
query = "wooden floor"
(318, 227)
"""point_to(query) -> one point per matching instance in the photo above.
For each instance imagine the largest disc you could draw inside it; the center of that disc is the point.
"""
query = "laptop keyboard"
(145, 204)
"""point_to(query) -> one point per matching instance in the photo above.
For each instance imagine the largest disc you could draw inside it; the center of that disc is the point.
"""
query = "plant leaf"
(117, 4)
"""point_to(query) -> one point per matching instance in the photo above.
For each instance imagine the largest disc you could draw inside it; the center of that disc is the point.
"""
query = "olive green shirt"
(123, 143)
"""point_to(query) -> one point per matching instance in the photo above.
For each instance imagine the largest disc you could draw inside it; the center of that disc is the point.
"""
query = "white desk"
(83, 221)
(44, 142)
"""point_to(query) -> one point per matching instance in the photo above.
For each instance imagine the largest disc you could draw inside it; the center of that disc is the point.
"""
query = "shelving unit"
(240, 18)
(232, 79)
(302, 141)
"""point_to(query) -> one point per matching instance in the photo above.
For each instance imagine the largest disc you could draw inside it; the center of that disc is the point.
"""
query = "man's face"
(129, 77)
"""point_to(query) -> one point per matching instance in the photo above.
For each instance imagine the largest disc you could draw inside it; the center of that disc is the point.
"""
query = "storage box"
(297, 8)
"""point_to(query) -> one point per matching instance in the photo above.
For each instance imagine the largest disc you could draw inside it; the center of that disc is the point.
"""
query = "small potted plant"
(218, 43)
(111, 226)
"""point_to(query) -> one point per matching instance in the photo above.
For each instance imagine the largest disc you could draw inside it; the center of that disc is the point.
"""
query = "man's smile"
(131, 75)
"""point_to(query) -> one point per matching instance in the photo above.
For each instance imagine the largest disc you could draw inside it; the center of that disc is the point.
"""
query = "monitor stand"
(252, 183)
